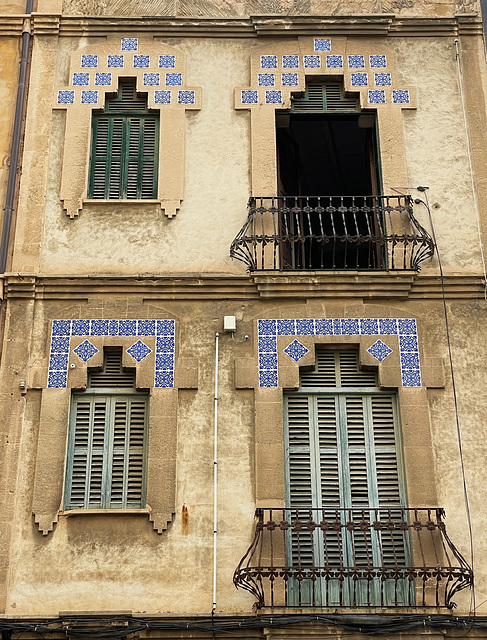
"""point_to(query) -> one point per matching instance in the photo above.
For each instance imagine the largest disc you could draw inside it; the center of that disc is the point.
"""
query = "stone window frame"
(172, 125)
(413, 410)
(262, 104)
(50, 468)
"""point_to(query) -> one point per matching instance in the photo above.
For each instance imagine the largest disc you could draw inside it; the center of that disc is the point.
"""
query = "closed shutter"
(344, 444)
(324, 96)
(106, 452)
(125, 147)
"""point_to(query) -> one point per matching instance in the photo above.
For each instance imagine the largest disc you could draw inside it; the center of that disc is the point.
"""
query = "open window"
(125, 147)
(329, 178)
(107, 445)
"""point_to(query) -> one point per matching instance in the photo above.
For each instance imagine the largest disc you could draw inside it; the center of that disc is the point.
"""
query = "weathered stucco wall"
(226, 8)
(218, 166)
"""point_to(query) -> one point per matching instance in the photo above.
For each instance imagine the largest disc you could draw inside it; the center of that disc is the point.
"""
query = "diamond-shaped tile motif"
(296, 350)
(379, 350)
(139, 350)
(85, 350)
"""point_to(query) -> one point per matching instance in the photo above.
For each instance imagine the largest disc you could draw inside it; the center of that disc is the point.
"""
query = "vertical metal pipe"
(14, 156)
(215, 475)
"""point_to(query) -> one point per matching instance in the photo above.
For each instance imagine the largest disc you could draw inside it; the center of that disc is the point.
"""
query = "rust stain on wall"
(184, 520)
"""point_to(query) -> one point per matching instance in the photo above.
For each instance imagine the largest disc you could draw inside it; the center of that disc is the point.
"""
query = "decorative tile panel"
(312, 62)
(141, 61)
(250, 96)
(289, 79)
(84, 351)
(290, 62)
(334, 62)
(89, 61)
(356, 62)
(378, 61)
(404, 328)
(186, 97)
(103, 79)
(273, 97)
(174, 80)
(130, 44)
(139, 350)
(115, 61)
(89, 97)
(265, 79)
(377, 96)
(400, 96)
(151, 79)
(322, 44)
(380, 350)
(268, 62)
(296, 350)
(65, 97)
(167, 62)
(64, 330)
(81, 79)
(359, 79)
(162, 97)
(382, 79)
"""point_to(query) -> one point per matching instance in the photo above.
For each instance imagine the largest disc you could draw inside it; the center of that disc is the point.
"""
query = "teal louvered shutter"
(344, 444)
(125, 149)
(106, 452)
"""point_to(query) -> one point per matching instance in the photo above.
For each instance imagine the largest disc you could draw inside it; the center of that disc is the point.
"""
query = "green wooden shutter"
(342, 452)
(106, 452)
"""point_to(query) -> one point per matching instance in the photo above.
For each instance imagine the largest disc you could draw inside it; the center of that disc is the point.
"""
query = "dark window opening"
(328, 172)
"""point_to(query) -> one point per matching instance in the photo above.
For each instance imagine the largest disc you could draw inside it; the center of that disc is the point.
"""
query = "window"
(106, 461)
(344, 471)
(328, 177)
(124, 150)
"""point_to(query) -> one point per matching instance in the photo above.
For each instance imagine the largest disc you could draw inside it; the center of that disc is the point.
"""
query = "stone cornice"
(206, 286)
(382, 25)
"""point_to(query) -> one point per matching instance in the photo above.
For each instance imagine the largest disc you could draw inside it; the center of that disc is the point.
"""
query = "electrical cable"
(366, 624)
(425, 203)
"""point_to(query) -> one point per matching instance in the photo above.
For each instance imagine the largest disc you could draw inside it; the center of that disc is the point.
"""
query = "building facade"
(243, 319)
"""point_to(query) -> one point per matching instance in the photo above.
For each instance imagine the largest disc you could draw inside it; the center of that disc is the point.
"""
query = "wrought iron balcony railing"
(332, 232)
(335, 558)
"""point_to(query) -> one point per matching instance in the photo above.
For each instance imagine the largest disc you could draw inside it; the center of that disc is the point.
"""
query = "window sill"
(103, 512)
(169, 207)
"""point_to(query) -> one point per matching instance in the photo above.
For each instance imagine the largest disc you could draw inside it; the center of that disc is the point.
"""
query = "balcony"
(338, 558)
(332, 233)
